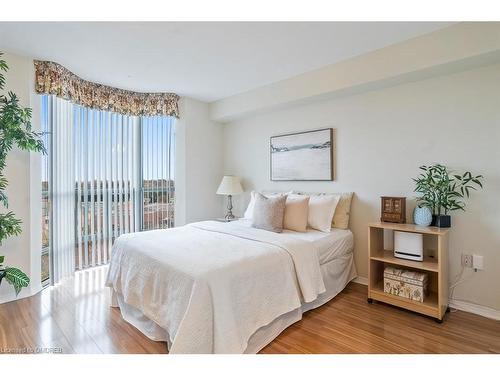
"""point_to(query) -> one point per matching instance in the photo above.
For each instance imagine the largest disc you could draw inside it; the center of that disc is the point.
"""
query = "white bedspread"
(211, 285)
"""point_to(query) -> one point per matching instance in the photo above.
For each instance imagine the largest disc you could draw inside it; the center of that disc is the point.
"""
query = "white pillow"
(321, 210)
(249, 211)
(342, 211)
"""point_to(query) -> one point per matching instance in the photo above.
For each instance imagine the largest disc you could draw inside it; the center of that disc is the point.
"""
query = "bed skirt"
(336, 275)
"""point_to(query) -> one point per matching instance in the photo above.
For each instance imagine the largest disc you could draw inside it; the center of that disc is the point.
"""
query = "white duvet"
(211, 285)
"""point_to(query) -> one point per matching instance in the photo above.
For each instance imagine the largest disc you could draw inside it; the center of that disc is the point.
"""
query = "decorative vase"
(422, 216)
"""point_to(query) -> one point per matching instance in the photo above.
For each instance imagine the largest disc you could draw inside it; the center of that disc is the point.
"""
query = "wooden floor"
(75, 317)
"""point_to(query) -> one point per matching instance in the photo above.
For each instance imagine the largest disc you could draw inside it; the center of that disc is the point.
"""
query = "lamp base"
(229, 215)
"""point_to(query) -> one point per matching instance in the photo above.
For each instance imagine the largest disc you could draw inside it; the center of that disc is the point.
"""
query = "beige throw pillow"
(342, 212)
(296, 212)
(268, 212)
(321, 210)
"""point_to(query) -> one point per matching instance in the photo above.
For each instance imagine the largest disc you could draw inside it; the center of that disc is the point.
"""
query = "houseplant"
(15, 130)
(442, 191)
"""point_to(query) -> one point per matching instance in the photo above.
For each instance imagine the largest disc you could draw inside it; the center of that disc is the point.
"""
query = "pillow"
(296, 210)
(249, 211)
(321, 210)
(342, 212)
(268, 212)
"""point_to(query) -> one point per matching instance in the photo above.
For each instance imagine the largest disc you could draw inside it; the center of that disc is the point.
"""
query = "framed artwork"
(305, 156)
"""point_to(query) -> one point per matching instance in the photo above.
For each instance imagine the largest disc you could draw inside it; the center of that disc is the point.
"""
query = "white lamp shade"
(230, 185)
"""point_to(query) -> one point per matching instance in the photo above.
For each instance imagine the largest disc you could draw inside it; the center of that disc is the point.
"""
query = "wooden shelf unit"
(435, 264)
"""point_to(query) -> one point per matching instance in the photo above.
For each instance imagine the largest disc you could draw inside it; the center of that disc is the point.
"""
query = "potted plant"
(15, 130)
(443, 191)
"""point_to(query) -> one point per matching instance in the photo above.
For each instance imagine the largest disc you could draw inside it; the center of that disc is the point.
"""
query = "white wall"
(382, 137)
(198, 168)
(23, 251)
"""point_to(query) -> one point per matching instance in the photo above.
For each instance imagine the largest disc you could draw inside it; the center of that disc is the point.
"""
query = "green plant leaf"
(4, 199)
(441, 189)
(17, 278)
(15, 130)
(9, 226)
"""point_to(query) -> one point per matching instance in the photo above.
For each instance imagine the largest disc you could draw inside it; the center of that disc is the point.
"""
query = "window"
(107, 174)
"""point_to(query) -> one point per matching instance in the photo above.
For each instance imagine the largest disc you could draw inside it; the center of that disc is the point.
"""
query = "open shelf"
(387, 256)
(430, 305)
(435, 243)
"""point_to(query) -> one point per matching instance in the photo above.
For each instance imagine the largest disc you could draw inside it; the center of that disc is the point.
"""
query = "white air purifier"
(409, 245)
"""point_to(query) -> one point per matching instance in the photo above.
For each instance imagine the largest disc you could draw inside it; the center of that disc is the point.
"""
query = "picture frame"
(302, 156)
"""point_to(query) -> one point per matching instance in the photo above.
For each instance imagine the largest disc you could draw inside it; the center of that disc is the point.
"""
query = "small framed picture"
(305, 156)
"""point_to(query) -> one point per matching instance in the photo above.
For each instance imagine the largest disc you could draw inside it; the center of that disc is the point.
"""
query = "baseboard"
(487, 312)
(360, 280)
(10, 295)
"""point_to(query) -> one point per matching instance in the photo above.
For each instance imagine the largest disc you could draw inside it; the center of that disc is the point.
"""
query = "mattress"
(330, 246)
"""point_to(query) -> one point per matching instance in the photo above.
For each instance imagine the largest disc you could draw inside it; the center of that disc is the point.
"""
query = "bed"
(212, 287)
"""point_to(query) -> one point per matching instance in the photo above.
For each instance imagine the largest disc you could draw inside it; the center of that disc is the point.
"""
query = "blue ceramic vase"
(422, 216)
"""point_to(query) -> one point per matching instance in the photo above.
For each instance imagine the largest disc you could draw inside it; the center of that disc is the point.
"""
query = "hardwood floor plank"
(76, 317)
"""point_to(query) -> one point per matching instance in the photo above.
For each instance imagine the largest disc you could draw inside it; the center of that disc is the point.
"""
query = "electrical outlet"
(478, 262)
(467, 260)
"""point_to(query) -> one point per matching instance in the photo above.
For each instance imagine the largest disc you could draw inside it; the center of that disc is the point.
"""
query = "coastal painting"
(306, 156)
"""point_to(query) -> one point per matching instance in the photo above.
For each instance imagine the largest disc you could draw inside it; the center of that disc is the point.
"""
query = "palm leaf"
(4, 199)
(17, 278)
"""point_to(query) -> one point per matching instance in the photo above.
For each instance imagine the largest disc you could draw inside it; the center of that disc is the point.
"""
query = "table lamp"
(230, 185)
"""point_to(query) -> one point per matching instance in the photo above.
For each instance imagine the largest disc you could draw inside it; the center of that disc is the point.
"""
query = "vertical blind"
(58, 113)
(157, 181)
(107, 186)
(110, 174)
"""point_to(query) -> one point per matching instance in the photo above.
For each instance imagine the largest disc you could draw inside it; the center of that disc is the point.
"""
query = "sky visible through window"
(157, 144)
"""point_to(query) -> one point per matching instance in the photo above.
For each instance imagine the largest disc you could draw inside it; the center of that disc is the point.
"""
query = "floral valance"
(52, 78)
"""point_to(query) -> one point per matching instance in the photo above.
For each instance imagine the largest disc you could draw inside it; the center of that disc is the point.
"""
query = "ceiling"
(205, 61)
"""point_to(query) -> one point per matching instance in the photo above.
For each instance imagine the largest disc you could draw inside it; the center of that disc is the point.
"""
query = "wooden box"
(393, 209)
(405, 283)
